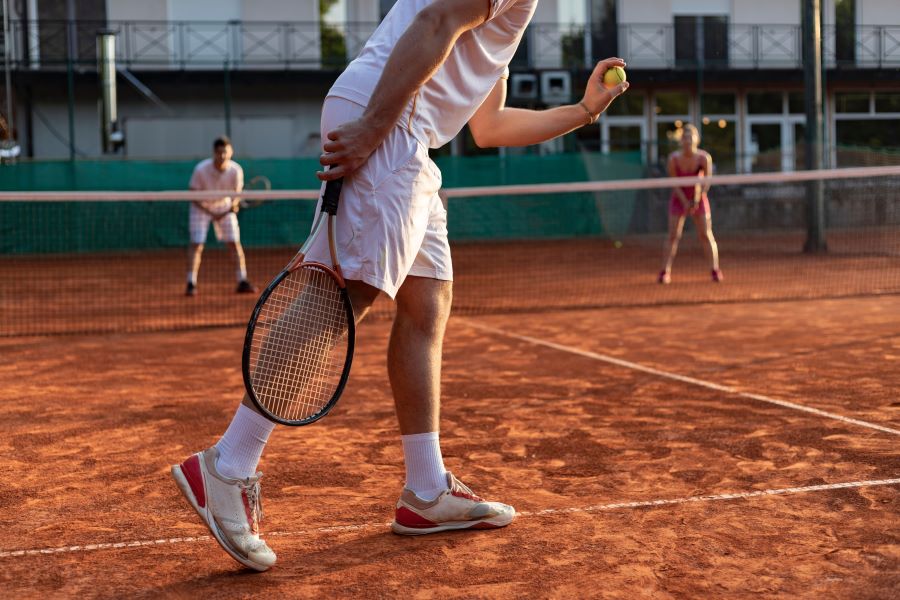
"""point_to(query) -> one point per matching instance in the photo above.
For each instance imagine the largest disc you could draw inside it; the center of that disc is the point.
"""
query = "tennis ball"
(617, 244)
(613, 77)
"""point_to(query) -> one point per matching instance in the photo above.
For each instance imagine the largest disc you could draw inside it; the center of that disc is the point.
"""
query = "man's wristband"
(591, 117)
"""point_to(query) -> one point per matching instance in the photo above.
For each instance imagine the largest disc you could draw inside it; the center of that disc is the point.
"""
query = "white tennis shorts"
(226, 228)
(391, 222)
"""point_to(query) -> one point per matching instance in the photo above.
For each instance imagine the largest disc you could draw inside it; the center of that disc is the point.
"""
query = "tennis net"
(93, 262)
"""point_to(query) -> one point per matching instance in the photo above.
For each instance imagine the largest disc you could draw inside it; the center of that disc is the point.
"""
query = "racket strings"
(300, 345)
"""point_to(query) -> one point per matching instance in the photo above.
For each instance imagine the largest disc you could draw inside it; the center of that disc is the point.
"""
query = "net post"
(812, 78)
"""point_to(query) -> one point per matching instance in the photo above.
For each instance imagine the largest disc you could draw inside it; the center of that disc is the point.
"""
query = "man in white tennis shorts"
(217, 173)
(431, 67)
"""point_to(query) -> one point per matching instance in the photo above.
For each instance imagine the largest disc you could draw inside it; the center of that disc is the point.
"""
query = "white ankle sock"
(242, 444)
(425, 472)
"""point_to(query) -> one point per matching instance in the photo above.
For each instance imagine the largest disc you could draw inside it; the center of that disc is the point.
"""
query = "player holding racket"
(429, 68)
(217, 173)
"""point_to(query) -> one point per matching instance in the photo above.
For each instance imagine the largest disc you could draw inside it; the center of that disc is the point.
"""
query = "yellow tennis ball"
(613, 77)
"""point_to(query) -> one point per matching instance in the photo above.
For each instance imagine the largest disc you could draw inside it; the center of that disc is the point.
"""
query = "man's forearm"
(523, 127)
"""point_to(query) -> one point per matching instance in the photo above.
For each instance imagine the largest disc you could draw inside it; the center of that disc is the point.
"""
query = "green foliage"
(325, 6)
(334, 48)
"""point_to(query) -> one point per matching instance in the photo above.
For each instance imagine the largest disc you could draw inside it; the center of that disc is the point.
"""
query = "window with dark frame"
(604, 29)
(845, 31)
(701, 37)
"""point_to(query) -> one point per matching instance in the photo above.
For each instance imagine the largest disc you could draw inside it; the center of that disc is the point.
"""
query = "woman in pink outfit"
(690, 161)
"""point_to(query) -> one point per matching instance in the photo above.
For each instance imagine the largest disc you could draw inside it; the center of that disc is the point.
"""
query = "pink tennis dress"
(675, 207)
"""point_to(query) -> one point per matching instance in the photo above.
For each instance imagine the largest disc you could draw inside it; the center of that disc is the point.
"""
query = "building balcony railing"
(164, 45)
(154, 45)
(740, 46)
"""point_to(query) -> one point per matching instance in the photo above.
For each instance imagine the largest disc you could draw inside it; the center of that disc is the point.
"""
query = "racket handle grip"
(331, 196)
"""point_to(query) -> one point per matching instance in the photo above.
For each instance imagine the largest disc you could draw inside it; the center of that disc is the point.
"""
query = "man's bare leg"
(414, 353)
(432, 500)
(414, 369)
(194, 254)
(240, 262)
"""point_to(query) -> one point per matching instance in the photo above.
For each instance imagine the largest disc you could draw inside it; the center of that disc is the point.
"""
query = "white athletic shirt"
(443, 105)
(207, 177)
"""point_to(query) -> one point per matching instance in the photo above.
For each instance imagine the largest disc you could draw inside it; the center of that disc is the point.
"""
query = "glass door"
(764, 147)
(623, 138)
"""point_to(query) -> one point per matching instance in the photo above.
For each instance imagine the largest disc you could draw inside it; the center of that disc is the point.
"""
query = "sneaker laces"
(254, 499)
(466, 490)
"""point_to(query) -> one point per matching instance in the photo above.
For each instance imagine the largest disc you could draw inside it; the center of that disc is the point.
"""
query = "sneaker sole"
(185, 487)
(496, 523)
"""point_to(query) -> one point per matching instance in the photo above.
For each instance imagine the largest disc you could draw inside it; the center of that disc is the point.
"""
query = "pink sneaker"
(455, 508)
(717, 275)
(664, 278)
(230, 508)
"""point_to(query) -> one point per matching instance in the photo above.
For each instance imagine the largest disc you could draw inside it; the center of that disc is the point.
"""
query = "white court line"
(683, 378)
(539, 513)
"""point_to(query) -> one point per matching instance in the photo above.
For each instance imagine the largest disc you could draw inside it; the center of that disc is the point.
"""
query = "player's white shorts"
(391, 222)
(226, 228)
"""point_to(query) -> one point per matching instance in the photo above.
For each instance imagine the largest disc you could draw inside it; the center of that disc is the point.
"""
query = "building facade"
(190, 70)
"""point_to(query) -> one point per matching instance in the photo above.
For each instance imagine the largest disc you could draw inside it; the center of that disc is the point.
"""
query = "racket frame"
(251, 186)
(327, 215)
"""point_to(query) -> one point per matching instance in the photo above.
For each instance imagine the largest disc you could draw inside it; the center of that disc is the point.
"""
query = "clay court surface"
(58, 293)
(703, 475)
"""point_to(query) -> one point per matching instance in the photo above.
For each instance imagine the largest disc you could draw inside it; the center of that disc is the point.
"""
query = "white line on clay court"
(525, 514)
(682, 378)
(549, 511)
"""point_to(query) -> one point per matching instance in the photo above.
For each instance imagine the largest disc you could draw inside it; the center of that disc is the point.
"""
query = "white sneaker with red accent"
(455, 508)
(231, 508)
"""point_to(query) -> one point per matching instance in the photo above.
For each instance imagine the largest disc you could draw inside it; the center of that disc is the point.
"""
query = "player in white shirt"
(431, 67)
(217, 173)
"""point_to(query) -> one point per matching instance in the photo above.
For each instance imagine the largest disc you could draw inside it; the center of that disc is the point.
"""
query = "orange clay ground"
(92, 423)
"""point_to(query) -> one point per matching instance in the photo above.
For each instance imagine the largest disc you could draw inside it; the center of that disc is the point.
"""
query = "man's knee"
(425, 303)
(362, 296)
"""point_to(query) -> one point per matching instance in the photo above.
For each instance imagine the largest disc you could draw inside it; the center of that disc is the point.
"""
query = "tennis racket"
(299, 343)
(260, 183)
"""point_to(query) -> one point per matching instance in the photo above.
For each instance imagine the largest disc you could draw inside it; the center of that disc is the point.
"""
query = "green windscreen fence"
(102, 226)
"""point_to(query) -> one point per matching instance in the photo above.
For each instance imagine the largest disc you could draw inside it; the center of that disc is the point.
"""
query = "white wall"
(279, 10)
(261, 129)
(701, 7)
(205, 10)
(877, 12)
(645, 11)
(137, 10)
(362, 10)
(212, 10)
(760, 12)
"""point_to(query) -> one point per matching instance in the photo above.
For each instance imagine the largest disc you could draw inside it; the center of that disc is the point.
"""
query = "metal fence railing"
(48, 44)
